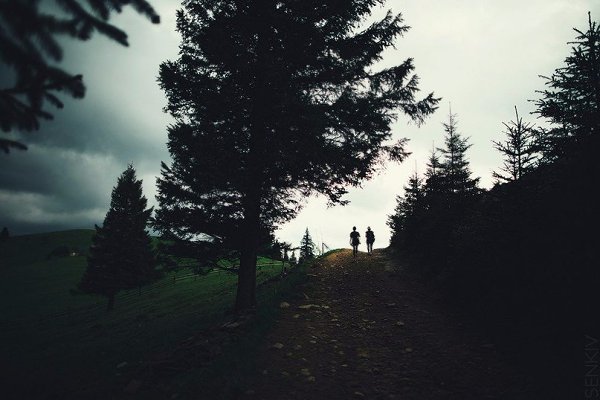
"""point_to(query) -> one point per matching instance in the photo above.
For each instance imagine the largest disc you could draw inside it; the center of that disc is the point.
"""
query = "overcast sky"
(482, 56)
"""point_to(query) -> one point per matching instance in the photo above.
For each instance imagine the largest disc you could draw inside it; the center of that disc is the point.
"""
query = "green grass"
(26, 249)
(232, 373)
(68, 344)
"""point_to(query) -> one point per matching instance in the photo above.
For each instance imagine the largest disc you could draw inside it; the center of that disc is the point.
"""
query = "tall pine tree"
(273, 101)
(433, 185)
(571, 100)
(307, 247)
(409, 209)
(455, 169)
(449, 192)
(519, 150)
(121, 254)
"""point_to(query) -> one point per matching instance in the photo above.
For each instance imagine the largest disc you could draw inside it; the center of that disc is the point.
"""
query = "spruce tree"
(121, 255)
(433, 187)
(307, 247)
(274, 101)
(409, 209)
(571, 100)
(449, 192)
(455, 170)
(30, 46)
(519, 150)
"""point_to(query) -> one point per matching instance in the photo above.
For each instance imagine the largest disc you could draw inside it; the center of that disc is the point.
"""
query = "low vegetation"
(50, 331)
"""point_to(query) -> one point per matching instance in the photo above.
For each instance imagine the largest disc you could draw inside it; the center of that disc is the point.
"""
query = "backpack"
(370, 236)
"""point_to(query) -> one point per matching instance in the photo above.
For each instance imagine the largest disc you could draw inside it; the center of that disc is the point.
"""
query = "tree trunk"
(111, 302)
(246, 288)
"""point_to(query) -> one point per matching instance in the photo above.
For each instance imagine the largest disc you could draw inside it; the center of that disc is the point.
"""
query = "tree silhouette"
(571, 100)
(520, 256)
(286, 248)
(433, 185)
(121, 255)
(30, 47)
(425, 221)
(455, 171)
(274, 101)
(408, 212)
(307, 247)
(519, 150)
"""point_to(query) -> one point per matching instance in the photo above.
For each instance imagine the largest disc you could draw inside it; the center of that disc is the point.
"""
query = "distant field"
(44, 327)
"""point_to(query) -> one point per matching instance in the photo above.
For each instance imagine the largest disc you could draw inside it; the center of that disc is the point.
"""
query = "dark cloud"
(54, 186)
(65, 178)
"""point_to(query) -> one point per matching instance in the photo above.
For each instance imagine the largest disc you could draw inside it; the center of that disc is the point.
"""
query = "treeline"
(524, 253)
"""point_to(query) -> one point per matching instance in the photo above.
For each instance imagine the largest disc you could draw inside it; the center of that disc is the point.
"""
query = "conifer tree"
(519, 150)
(30, 46)
(274, 101)
(449, 192)
(571, 100)
(307, 247)
(409, 209)
(121, 255)
(432, 185)
(455, 171)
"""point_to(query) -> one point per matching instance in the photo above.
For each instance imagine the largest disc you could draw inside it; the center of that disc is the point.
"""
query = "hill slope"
(49, 333)
(26, 249)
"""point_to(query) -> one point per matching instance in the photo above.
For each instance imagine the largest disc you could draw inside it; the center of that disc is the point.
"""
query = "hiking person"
(354, 241)
(370, 239)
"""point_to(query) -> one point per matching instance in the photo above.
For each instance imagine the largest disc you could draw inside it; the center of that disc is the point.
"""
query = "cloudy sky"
(482, 56)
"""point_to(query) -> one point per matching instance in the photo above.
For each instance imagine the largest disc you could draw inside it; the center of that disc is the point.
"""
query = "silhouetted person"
(354, 241)
(370, 239)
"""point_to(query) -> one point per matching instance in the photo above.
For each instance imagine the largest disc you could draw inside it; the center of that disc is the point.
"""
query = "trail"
(361, 330)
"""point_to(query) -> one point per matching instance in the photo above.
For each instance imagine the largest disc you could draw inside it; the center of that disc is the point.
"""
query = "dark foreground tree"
(121, 255)
(449, 192)
(524, 254)
(273, 101)
(571, 100)
(519, 150)
(455, 169)
(307, 247)
(408, 212)
(30, 50)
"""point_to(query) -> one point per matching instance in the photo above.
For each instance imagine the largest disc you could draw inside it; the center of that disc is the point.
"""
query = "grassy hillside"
(25, 249)
(49, 334)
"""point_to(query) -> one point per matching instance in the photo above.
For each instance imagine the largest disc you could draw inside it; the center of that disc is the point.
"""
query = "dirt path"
(362, 331)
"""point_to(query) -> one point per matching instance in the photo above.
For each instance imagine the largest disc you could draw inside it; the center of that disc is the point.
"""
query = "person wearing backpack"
(370, 239)
(354, 241)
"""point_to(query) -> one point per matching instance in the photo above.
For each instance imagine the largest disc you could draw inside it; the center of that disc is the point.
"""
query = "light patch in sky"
(482, 58)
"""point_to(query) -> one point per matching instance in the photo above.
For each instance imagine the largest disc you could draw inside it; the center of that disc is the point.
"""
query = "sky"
(483, 57)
